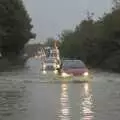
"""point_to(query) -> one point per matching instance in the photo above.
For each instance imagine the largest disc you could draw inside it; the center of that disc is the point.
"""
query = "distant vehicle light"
(86, 74)
(55, 71)
(58, 66)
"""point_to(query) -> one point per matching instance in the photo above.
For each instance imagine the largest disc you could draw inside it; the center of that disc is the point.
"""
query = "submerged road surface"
(23, 97)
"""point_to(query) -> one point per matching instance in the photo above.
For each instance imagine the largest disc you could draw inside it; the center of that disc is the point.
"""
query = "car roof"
(73, 61)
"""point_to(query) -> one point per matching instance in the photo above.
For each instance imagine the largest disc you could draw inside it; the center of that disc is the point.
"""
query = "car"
(75, 68)
(50, 64)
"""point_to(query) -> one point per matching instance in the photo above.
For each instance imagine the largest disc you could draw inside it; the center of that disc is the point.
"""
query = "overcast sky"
(50, 17)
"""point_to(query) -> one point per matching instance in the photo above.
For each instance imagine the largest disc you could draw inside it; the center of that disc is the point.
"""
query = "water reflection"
(86, 106)
(65, 113)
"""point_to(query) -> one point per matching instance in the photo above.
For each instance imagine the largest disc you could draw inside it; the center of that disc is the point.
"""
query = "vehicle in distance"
(50, 64)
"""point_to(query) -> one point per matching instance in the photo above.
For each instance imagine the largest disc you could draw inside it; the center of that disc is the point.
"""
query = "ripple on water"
(12, 98)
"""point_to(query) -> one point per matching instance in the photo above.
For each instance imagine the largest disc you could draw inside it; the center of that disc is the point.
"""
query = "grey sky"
(50, 17)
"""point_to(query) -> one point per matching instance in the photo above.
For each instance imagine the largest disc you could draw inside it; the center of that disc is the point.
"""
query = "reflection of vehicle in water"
(65, 108)
(82, 104)
(87, 103)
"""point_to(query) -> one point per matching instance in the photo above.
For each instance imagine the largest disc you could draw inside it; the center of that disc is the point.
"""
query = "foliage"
(15, 26)
(97, 43)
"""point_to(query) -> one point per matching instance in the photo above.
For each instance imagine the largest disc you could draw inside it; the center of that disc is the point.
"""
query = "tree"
(97, 43)
(15, 26)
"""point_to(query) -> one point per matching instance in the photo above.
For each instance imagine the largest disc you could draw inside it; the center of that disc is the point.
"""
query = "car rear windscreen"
(75, 64)
(49, 61)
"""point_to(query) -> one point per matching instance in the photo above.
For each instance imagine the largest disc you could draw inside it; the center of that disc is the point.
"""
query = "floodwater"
(24, 97)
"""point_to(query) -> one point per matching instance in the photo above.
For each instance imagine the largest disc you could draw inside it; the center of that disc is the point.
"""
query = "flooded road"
(23, 97)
